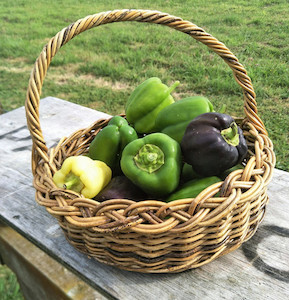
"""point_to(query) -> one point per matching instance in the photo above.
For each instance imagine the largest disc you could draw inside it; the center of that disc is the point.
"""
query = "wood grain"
(260, 267)
(208, 229)
(39, 275)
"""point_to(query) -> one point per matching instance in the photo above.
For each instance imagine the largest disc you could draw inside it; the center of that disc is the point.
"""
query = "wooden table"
(258, 269)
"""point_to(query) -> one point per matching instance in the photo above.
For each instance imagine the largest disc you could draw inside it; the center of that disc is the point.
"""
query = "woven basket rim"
(148, 16)
(243, 191)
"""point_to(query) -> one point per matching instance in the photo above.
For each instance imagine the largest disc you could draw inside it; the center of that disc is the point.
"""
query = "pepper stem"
(172, 87)
(149, 158)
(231, 135)
(73, 182)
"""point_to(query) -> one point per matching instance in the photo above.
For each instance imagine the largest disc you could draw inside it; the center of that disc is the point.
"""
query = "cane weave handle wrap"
(66, 34)
(151, 235)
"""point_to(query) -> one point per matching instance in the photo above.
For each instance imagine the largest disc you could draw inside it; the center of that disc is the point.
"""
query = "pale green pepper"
(145, 103)
(83, 175)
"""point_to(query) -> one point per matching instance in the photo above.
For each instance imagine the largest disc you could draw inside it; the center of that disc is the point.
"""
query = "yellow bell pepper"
(83, 175)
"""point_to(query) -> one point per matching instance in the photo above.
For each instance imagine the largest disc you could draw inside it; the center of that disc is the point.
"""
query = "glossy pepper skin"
(174, 119)
(83, 175)
(213, 143)
(126, 132)
(188, 173)
(111, 140)
(146, 101)
(153, 163)
(192, 188)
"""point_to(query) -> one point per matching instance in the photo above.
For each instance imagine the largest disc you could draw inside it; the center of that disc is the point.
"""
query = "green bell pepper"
(127, 133)
(118, 121)
(146, 101)
(174, 119)
(188, 173)
(153, 163)
(111, 140)
(192, 188)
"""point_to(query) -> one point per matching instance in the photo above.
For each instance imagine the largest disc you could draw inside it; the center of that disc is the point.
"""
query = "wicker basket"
(152, 236)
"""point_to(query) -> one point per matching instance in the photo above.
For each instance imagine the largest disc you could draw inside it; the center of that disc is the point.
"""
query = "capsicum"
(111, 140)
(192, 188)
(213, 143)
(188, 173)
(153, 163)
(173, 119)
(146, 101)
(83, 175)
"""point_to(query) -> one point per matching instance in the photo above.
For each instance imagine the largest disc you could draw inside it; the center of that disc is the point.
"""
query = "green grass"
(100, 67)
(9, 287)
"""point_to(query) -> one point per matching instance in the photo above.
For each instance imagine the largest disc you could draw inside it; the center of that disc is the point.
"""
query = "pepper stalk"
(83, 175)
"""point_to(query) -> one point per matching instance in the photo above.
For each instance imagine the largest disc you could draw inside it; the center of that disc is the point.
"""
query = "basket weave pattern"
(151, 235)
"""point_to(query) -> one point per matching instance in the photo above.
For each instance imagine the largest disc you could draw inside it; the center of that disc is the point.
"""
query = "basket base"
(171, 262)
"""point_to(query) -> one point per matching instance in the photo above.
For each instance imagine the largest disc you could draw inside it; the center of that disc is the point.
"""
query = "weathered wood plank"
(40, 276)
(260, 267)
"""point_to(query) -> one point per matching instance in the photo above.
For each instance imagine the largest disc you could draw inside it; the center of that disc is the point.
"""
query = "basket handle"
(39, 149)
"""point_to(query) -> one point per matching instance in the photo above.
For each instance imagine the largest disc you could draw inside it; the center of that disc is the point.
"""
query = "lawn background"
(100, 67)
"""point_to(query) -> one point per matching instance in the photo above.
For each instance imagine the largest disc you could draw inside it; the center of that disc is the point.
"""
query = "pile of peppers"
(164, 149)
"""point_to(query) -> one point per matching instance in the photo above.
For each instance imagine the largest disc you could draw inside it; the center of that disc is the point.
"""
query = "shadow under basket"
(153, 236)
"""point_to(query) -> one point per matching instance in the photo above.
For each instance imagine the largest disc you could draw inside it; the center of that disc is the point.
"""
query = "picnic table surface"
(258, 269)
